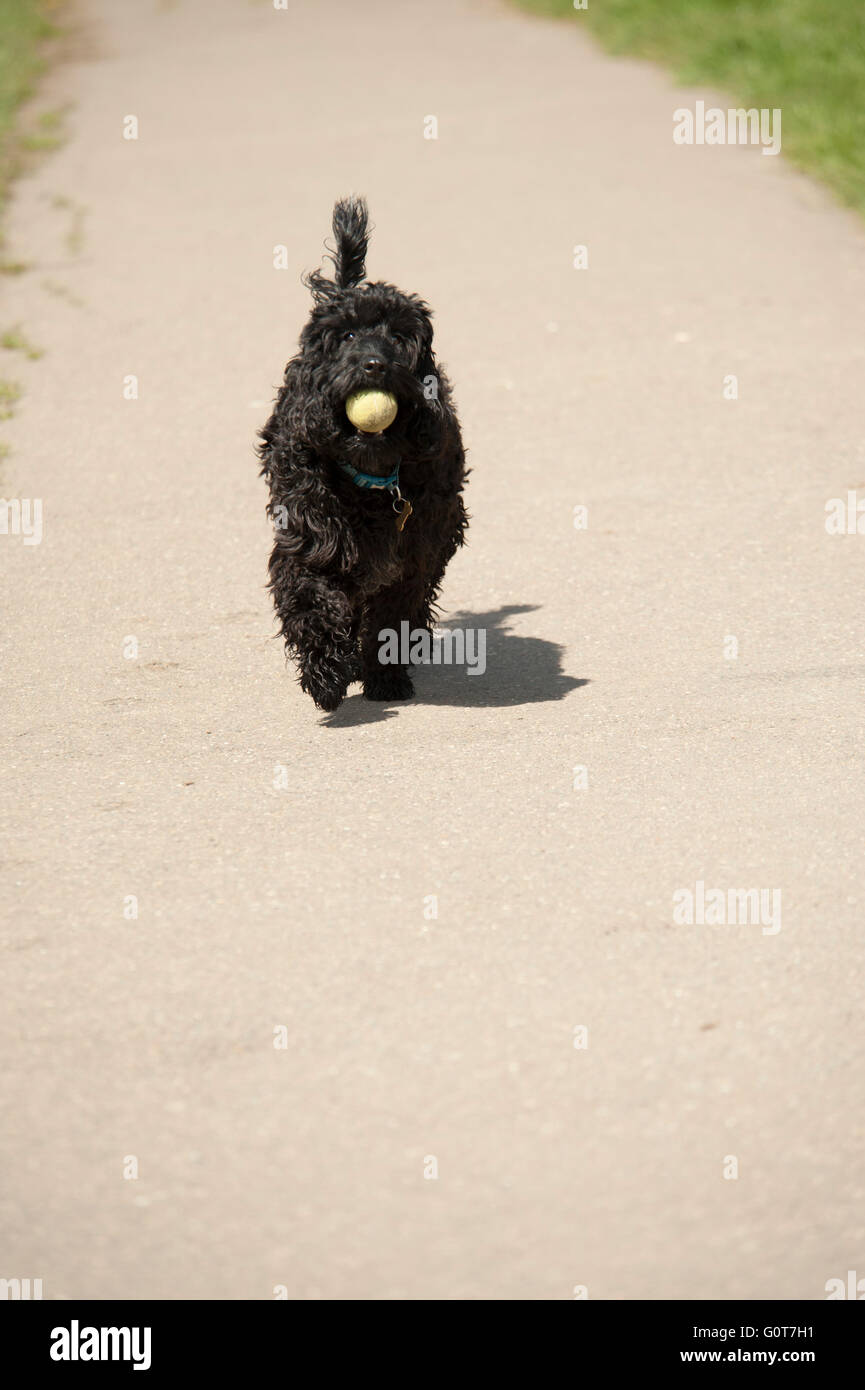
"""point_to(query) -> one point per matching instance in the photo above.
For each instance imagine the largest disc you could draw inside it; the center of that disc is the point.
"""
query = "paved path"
(303, 905)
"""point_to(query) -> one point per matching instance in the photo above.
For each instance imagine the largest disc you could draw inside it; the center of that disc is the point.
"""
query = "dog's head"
(362, 335)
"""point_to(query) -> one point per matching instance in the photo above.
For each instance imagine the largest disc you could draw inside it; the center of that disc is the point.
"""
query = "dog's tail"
(350, 220)
(350, 223)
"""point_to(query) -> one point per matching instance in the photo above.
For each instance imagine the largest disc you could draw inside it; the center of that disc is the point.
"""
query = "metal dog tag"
(404, 513)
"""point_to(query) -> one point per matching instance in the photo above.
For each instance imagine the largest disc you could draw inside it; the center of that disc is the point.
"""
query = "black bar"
(225, 1339)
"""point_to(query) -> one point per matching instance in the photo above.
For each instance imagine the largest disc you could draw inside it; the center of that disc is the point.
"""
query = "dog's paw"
(388, 685)
(327, 700)
(327, 693)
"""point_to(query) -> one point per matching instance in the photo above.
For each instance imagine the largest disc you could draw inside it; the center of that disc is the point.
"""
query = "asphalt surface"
(286, 866)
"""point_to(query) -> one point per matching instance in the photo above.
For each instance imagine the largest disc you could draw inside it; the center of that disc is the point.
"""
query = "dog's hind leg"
(385, 675)
(425, 614)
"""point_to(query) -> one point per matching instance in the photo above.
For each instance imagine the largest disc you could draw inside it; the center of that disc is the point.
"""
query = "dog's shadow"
(519, 671)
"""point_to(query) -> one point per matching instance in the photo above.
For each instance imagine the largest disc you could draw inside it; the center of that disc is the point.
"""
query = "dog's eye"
(347, 337)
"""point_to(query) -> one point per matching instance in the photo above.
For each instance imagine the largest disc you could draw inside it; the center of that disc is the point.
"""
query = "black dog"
(365, 522)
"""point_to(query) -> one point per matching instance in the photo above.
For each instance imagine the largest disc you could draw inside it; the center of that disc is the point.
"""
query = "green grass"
(47, 132)
(24, 27)
(805, 56)
(10, 395)
(15, 340)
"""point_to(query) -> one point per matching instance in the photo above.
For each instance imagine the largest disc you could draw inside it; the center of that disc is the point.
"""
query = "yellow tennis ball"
(371, 411)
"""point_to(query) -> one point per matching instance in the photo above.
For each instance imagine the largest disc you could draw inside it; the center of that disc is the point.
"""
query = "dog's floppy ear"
(350, 219)
(319, 286)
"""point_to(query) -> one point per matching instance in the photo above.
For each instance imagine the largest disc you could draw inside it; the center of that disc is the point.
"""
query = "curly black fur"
(340, 570)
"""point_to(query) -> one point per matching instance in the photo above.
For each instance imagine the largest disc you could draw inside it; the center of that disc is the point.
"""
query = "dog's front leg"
(316, 619)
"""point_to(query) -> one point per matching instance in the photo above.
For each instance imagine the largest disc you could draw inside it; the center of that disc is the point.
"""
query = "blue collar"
(370, 480)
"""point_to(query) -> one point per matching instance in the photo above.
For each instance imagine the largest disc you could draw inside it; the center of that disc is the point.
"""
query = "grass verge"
(25, 27)
(805, 56)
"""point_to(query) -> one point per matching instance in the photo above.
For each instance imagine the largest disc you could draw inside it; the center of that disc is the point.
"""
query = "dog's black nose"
(373, 366)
